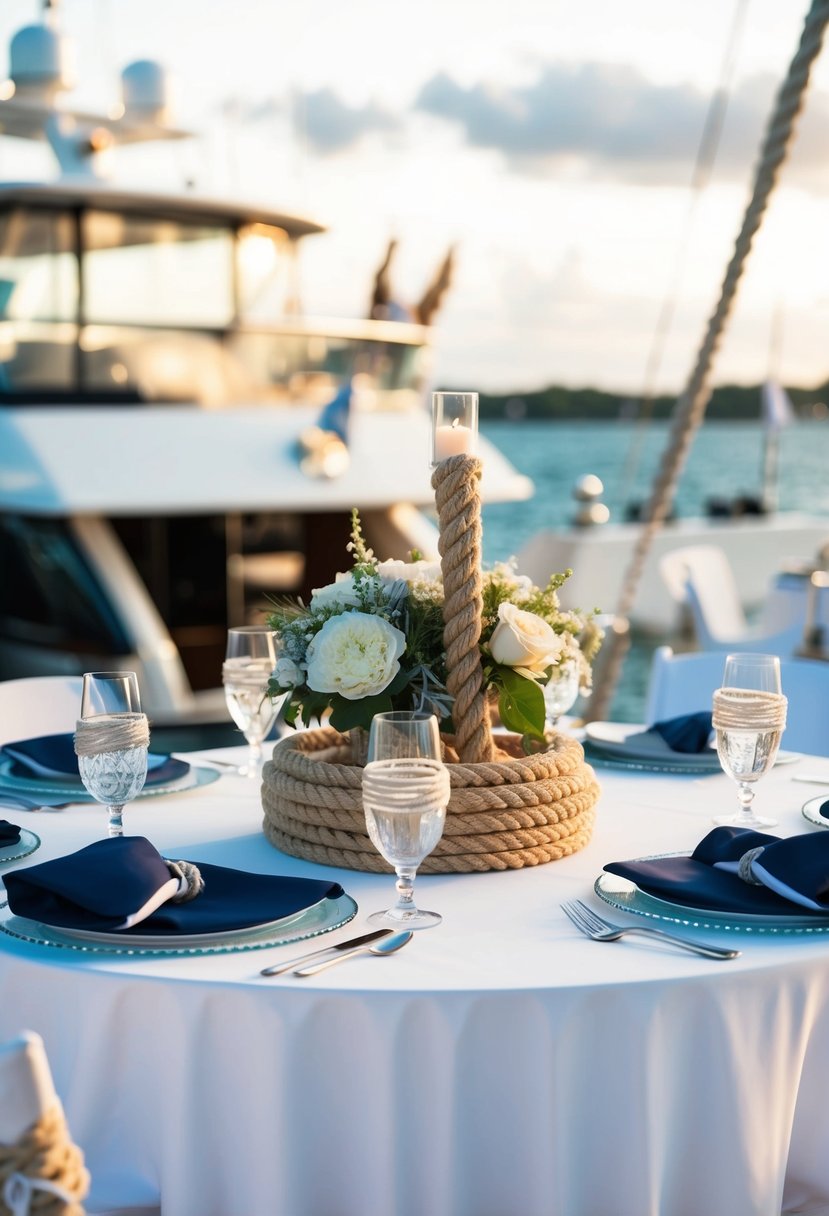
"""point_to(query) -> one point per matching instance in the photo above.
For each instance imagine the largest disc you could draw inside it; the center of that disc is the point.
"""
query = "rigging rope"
(690, 408)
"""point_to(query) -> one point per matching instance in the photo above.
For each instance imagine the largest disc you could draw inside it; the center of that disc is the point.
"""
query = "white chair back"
(701, 576)
(38, 705)
(685, 683)
(26, 1088)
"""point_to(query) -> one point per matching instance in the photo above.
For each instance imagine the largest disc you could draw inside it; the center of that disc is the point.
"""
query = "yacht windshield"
(101, 306)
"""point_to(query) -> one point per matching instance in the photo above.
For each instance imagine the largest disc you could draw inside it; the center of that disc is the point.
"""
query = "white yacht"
(167, 460)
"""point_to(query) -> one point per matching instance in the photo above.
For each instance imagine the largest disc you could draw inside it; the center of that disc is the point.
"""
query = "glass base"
(744, 821)
(416, 919)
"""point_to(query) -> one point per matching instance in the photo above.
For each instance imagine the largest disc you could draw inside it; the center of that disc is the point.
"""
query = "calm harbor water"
(725, 462)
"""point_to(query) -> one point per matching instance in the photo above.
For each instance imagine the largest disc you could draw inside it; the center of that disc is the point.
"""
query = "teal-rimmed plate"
(625, 895)
(75, 792)
(321, 918)
(811, 811)
(24, 847)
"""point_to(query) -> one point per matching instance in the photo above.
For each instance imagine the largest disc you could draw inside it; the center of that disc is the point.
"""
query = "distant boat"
(167, 459)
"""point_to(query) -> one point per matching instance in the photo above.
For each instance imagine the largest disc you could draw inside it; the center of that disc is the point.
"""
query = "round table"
(499, 1064)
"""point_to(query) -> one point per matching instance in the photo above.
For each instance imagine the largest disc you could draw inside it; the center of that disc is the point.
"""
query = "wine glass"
(404, 734)
(561, 692)
(111, 740)
(749, 718)
(249, 663)
(405, 802)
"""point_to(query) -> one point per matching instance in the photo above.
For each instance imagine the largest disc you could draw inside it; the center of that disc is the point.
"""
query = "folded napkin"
(689, 733)
(678, 742)
(9, 833)
(53, 757)
(122, 882)
(739, 870)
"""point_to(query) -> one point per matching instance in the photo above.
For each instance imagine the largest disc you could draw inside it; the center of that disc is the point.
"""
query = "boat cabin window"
(100, 306)
(50, 599)
(141, 271)
(39, 291)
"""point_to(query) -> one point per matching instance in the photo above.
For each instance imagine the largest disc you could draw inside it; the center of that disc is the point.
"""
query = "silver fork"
(600, 930)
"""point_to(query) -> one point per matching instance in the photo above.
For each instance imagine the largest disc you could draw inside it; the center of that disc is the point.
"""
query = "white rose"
(410, 572)
(524, 640)
(287, 673)
(355, 655)
(342, 593)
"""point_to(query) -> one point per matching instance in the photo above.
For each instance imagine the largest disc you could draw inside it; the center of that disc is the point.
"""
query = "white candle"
(454, 440)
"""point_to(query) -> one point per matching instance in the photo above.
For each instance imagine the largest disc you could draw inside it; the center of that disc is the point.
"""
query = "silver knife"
(279, 968)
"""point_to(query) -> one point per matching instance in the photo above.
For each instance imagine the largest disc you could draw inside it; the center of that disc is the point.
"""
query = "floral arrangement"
(372, 641)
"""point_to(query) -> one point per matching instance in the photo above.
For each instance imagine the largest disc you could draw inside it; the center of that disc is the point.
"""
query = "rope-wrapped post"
(455, 482)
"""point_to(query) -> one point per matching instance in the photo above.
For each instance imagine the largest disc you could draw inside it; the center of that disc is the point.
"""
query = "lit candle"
(454, 440)
(454, 425)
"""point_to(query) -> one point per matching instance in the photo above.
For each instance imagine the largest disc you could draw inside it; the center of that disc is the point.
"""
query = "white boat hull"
(757, 548)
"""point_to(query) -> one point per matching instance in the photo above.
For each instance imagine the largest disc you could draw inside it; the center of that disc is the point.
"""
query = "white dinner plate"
(321, 917)
(24, 847)
(811, 810)
(624, 894)
(75, 791)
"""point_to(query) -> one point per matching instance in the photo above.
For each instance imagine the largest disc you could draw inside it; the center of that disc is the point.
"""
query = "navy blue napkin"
(675, 743)
(794, 874)
(101, 885)
(53, 757)
(9, 833)
(688, 733)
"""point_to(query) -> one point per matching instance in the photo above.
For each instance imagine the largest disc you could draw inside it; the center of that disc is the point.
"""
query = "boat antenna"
(700, 179)
(690, 407)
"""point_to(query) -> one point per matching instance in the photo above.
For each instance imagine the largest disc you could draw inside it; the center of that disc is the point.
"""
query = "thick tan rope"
(523, 810)
(455, 482)
(690, 408)
(43, 1169)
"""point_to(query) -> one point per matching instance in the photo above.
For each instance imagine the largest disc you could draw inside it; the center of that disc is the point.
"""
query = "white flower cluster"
(347, 643)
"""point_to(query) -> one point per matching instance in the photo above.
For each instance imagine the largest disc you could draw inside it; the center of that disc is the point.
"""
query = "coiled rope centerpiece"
(507, 809)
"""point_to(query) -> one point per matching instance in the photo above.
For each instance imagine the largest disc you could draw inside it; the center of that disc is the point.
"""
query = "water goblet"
(249, 663)
(405, 802)
(112, 740)
(561, 692)
(749, 717)
(404, 734)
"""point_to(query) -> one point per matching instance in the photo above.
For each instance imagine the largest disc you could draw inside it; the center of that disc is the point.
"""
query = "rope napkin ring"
(189, 873)
(746, 862)
(747, 709)
(111, 733)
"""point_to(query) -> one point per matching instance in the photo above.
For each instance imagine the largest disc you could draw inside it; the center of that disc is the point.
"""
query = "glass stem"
(255, 758)
(116, 823)
(745, 793)
(405, 889)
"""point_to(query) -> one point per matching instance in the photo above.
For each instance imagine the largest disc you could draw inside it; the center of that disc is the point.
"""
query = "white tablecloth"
(500, 1065)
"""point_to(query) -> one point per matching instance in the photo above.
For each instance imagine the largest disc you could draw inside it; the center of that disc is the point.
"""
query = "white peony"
(287, 673)
(355, 655)
(410, 572)
(525, 641)
(342, 593)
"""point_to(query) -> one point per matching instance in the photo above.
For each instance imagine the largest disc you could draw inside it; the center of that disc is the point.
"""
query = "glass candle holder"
(454, 425)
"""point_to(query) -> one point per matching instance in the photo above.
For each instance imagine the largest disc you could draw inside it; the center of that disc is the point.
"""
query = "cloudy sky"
(553, 142)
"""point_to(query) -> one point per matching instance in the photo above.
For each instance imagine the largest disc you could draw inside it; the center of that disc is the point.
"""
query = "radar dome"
(40, 60)
(145, 89)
